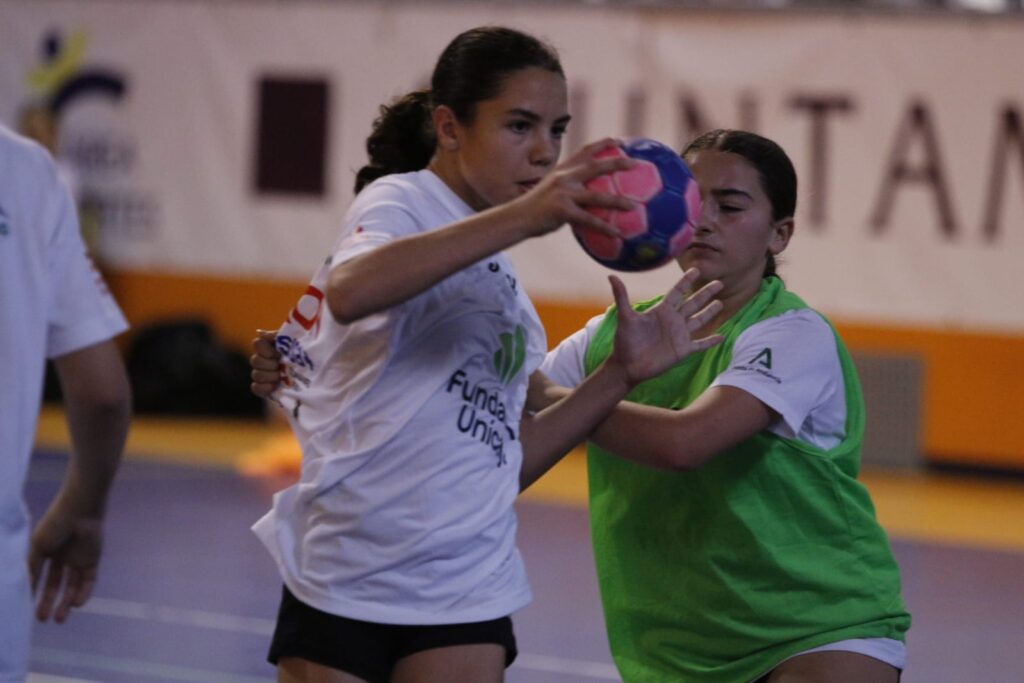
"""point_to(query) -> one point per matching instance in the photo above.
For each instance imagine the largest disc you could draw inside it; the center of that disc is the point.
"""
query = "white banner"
(907, 132)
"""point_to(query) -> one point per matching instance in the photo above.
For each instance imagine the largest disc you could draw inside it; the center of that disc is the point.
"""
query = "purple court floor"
(186, 593)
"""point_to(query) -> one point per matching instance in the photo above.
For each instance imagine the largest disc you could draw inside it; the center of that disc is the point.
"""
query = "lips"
(700, 247)
(528, 184)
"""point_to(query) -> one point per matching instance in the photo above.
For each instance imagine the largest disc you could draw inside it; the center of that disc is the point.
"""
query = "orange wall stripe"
(235, 308)
(973, 412)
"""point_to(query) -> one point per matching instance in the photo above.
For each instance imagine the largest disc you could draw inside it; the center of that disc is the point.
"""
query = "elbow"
(95, 383)
(685, 450)
(116, 394)
(682, 459)
(109, 402)
(344, 300)
(113, 397)
(681, 465)
(342, 309)
(115, 412)
(687, 460)
(119, 401)
(669, 461)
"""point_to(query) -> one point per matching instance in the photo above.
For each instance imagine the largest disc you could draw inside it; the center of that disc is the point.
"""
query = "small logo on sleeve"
(761, 364)
(764, 358)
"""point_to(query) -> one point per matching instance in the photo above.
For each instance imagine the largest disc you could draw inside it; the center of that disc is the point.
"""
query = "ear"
(446, 127)
(782, 231)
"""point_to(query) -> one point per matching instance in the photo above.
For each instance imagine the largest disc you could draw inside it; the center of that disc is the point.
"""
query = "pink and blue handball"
(667, 206)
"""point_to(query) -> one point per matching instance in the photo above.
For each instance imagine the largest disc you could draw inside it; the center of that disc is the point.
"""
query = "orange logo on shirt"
(307, 311)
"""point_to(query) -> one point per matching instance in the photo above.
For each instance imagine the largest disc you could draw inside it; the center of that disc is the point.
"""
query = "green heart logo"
(508, 360)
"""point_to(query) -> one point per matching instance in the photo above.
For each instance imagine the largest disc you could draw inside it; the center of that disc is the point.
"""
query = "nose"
(545, 150)
(708, 214)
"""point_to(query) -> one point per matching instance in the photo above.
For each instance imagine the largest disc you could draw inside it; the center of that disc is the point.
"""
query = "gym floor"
(187, 594)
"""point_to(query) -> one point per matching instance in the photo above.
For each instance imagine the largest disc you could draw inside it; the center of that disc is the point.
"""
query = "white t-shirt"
(52, 302)
(409, 425)
(788, 362)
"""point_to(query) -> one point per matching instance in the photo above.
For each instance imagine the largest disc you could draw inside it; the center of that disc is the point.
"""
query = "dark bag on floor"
(179, 368)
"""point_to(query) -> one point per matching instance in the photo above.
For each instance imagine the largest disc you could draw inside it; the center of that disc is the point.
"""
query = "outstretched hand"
(66, 548)
(649, 343)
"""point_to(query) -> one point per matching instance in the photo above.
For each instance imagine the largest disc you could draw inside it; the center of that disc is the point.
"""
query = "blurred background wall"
(212, 146)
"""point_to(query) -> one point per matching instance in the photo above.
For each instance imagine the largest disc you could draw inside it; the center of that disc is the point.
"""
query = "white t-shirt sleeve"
(82, 311)
(791, 364)
(380, 214)
(564, 364)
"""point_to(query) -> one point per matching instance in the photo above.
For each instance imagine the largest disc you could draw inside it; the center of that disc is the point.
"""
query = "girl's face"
(513, 141)
(735, 232)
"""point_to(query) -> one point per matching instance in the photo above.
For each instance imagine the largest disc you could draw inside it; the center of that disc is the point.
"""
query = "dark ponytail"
(471, 69)
(402, 139)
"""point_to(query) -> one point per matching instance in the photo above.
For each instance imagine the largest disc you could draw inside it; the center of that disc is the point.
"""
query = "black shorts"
(367, 649)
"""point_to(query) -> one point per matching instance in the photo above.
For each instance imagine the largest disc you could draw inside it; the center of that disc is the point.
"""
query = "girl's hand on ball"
(563, 197)
(662, 222)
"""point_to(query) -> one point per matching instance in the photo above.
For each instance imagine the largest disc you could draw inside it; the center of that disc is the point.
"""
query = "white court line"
(138, 667)
(46, 678)
(127, 609)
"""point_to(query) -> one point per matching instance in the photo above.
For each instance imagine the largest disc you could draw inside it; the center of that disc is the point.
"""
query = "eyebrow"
(534, 116)
(723, 193)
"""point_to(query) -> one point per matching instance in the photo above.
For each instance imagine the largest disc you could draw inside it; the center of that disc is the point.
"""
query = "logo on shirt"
(307, 312)
(508, 360)
(495, 267)
(291, 351)
(761, 364)
(5, 229)
(764, 358)
(482, 415)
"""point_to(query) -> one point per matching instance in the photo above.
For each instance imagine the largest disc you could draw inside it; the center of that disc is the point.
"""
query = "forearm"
(678, 440)
(635, 432)
(655, 437)
(549, 434)
(98, 433)
(97, 400)
(398, 271)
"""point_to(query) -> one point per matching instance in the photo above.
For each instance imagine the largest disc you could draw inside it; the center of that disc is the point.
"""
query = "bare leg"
(833, 667)
(295, 670)
(478, 663)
